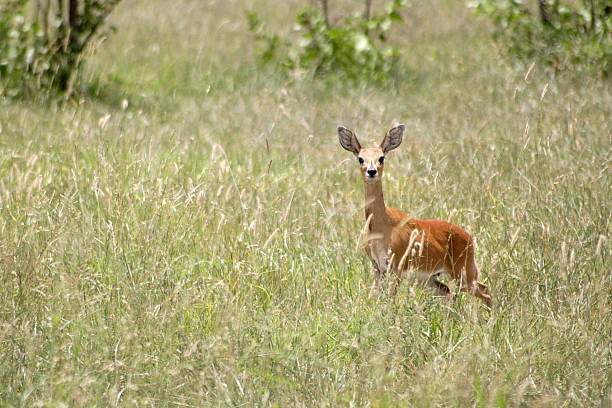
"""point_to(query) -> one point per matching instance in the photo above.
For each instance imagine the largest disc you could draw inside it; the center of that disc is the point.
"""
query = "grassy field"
(200, 246)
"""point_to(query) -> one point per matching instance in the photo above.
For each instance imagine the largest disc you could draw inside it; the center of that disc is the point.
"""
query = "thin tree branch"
(44, 7)
(593, 15)
(99, 21)
(325, 12)
(61, 28)
(544, 13)
(368, 10)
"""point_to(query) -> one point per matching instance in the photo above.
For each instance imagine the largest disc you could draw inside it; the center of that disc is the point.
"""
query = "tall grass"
(198, 246)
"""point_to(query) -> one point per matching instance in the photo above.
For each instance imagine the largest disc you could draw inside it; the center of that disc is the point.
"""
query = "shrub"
(354, 47)
(562, 35)
(44, 43)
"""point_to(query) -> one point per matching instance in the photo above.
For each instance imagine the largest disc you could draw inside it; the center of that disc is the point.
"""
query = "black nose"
(372, 172)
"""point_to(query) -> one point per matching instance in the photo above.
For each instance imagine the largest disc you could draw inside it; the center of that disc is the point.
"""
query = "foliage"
(46, 42)
(355, 46)
(564, 35)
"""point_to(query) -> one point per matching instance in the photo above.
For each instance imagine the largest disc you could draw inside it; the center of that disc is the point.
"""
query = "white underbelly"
(422, 276)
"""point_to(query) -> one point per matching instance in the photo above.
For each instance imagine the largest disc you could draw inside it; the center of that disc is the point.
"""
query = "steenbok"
(394, 242)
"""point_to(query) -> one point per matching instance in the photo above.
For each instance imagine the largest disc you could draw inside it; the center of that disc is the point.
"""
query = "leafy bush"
(354, 47)
(44, 43)
(563, 36)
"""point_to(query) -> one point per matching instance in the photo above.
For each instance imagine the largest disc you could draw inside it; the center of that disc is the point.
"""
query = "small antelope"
(394, 241)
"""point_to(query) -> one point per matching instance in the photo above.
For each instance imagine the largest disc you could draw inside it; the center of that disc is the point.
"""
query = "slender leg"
(375, 291)
(474, 286)
(394, 285)
(482, 291)
(379, 273)
(439, 287)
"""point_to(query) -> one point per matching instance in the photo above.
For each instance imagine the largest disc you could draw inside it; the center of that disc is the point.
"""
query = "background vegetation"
(44, 42)
(574, 35)
(353, 46)
(185, 229)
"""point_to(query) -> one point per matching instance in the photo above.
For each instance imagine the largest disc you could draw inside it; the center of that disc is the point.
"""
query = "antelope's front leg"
(380, 268)
(375, 291)
(397, 274)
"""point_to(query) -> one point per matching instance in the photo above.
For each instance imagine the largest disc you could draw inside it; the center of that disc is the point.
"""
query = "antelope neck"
(375, 204)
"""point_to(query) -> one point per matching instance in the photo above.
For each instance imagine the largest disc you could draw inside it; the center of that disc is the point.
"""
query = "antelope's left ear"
(392, 139)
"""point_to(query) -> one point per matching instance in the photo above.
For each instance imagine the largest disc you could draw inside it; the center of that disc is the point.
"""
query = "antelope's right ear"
(348, 140)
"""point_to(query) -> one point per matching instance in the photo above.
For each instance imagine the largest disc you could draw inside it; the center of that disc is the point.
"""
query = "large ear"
(392, 139)
(348, 140)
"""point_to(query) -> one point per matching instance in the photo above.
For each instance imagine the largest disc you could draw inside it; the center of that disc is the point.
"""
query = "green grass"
(200, 248)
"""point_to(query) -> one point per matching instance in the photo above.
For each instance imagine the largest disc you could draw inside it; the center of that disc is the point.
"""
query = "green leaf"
(395, 16)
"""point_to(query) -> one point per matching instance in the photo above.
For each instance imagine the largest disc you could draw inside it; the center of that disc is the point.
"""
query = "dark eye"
(381, 159)
(361, 161)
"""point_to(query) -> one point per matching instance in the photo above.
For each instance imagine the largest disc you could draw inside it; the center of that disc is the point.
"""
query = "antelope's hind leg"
(433, 283)
(482, 291)
(439, 287)
(472, 284)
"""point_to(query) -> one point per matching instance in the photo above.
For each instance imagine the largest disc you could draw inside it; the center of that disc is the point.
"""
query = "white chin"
(370, 179)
